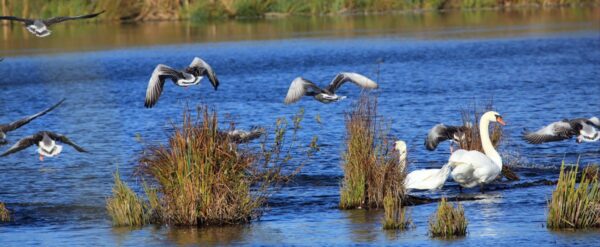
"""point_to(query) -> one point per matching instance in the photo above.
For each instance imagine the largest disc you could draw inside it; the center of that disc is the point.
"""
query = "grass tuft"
(371, 166)
(572, 206)
(4, 213)
(448, 221)
(125, 207)
(395, 217)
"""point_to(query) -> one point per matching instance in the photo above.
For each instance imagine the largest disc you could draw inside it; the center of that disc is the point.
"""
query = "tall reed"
(125, 207)
(448, 221)
(371, 166)
(572, 206)
(4, 213)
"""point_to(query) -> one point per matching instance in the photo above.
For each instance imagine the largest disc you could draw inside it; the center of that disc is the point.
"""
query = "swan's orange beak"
(500, 120)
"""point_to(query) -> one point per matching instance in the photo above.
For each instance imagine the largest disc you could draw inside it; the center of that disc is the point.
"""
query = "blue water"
(532, 80)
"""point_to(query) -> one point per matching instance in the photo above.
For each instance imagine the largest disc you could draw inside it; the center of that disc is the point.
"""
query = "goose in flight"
(243, 136)
(192, 75)
(5, 128)
(46, 142)
(39, 27)
(301, 87)
(586, 130)
(441, 132)
(424, 179)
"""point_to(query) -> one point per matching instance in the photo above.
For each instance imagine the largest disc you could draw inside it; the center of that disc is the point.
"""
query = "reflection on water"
(74, 36)
(364, 225)
(225, 235)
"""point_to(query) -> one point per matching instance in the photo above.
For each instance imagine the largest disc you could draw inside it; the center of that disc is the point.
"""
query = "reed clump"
(371, 167)
(573, 206)
(4, 213)
(448, 221)
(125, 207)
(395, 216)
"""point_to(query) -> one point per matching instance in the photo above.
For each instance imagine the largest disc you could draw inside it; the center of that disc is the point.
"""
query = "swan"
(472, 168)
(441, 132)
(46, 142)
(424, 179)
(192, 75)
(39, 27)
(301, 87)
(8, 127)
(586, 130)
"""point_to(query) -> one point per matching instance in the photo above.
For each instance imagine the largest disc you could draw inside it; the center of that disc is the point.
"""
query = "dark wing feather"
(65, 140)
(299, 88)
(440, 133)
(206, 70)
(355, 78)
(59, 19)
(245, 136)
(17, 124)
(23, 144)
(556, 131)
(14, 18)
(157, 82)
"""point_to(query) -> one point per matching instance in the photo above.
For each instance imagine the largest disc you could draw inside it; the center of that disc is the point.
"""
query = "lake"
(536, 66)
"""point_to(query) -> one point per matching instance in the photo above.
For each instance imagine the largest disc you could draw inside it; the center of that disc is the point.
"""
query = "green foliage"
(4, 213)
(448, 221)
(395, 217)
(125, 207)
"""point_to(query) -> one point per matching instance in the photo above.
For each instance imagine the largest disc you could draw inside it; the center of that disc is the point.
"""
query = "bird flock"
(468, 168)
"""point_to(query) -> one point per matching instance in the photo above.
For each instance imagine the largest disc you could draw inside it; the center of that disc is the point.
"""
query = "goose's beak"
(41, 157)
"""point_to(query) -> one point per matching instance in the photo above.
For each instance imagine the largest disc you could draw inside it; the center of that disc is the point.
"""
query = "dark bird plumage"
(5, 128)
(39, 27)
(585, 129)
(441, 132)
(302, 87)
(42, 136)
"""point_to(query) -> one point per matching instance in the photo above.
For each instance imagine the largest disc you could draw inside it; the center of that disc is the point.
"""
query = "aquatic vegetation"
(371, 167)
(448, 221)
(125, 207)
(572, 206)
(395, 217)
(4, 213)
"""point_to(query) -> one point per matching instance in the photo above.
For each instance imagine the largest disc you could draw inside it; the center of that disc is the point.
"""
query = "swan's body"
(472, 168)
(424, 179)
(303, 87)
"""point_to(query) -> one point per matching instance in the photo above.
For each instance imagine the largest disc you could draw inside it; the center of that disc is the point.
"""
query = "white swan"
(425, 179)
(472, 168)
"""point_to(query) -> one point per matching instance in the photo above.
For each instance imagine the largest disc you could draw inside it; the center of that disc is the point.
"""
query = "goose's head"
(400, 146)
(2, 138)
(493, 117)
(48, 147)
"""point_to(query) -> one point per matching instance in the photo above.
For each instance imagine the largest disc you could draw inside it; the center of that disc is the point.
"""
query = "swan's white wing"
(157, 82)
(556, 131)
(299, 88)
(419, 179)
(205, 69)
(356, 78)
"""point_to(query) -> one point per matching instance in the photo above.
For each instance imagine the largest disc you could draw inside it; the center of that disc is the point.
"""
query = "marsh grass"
(371, 167)
(4, 213)
(125, 207)
(395, 215)
(448, 221)
(573, 206)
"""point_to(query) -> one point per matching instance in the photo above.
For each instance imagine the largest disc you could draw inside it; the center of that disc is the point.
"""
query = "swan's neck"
(402, 162)
(486, 143)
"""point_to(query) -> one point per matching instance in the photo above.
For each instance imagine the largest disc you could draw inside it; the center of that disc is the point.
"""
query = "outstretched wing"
(204, 69)
(14, 18)
(59, 19)
(65, 140)
(556, 131)
(299, 88)
(23, 144)
(240, 136)
(17, 124)
(441, 132)
(157, 82)
(355, 78)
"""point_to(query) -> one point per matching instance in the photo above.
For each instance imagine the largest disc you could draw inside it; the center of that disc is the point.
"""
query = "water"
(537, 68)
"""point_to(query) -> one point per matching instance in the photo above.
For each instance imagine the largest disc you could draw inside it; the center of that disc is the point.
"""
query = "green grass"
(395, 217)
(573, 206)
(448, 221)
(4, 213)
(371, 166)
(125, 207)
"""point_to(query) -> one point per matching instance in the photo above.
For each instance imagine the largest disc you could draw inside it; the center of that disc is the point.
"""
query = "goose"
(424, 179)
(472, 168)
(301, 87)
(243, 136)
(586, 130)
(441, 132)
(192, 75)
(5, 128)
(39, 27)
(46, 142)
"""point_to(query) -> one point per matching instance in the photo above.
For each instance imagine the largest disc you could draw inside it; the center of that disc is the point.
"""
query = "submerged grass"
(4, 213)
(572, 206)
(371, 167)
(448, 221)
(125, 207)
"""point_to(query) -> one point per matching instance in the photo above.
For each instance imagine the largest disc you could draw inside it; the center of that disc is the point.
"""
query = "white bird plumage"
(424, 179)
(301, 87)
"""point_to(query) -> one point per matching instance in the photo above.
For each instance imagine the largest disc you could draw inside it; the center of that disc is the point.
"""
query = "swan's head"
(401, 147)
(493, 117)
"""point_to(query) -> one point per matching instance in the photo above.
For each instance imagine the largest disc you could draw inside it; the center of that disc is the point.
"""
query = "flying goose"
(301, 87)
(188, 77)
(46, 142)
(39, 27)
(441, 132)
(5, 128)
(586, 130)
(242, 136)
